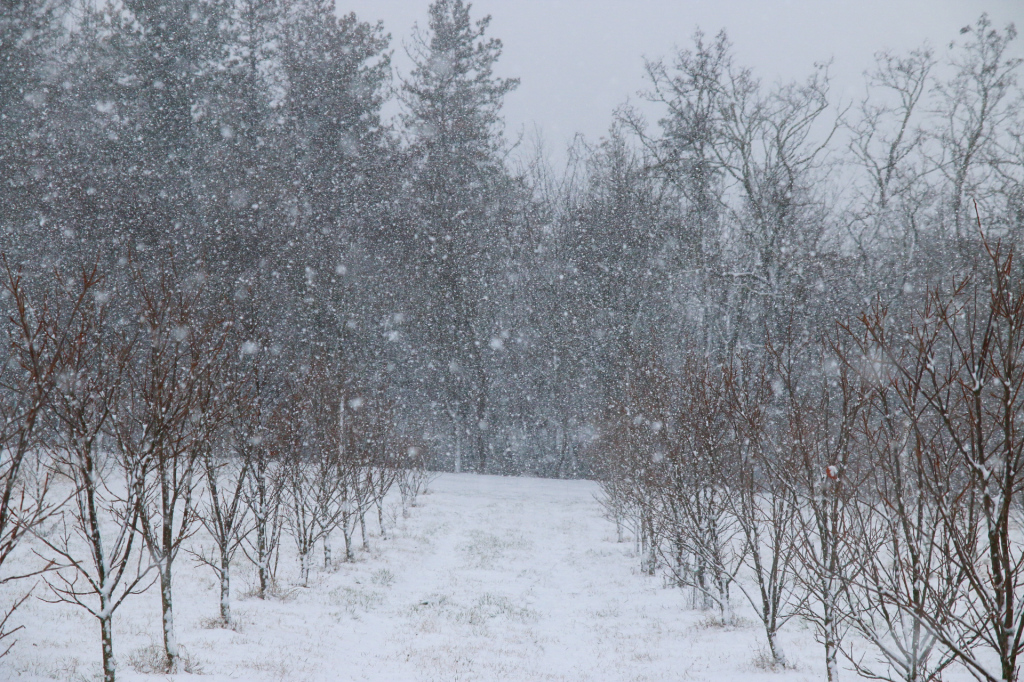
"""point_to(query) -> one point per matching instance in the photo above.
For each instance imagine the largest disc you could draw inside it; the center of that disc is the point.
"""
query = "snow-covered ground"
(490, 578)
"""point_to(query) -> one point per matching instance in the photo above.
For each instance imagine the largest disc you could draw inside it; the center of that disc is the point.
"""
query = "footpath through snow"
(490, 578)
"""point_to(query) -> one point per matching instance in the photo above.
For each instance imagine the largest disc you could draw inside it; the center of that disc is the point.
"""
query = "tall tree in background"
(240, 143)
(615, 238)
(453, 103)
(30, 31)
(340, 170)
(337, 72)
(891, 197)
(170, 51)
(746, 162)
(976, 107)
(128, 136)
(683, 158)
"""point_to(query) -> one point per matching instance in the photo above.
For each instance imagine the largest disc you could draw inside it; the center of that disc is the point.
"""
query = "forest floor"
(489, 578)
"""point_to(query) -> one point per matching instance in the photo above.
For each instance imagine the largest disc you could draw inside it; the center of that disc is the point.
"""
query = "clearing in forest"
(490, 578)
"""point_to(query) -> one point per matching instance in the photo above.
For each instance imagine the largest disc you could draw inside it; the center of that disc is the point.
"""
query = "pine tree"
(337, 72)
(165, 56)
(453, 105)
(30, 31)
(338, 161)
(242, 143)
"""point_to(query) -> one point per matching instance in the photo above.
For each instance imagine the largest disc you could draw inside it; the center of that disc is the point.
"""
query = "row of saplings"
(869, 482)
(134, 414)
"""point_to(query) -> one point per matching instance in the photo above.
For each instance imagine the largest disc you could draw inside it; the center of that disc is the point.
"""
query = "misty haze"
(350, 342)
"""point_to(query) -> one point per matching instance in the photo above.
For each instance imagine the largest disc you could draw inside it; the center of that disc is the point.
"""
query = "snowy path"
(490, 578)
(521, 579)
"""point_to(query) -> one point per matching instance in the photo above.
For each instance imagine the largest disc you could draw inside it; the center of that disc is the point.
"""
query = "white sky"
(579, 59)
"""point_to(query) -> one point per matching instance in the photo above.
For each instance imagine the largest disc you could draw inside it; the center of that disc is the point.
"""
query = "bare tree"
(684, 156)
(975, 106)
(777, 147)
(887, 142)
(257, 445)
(30, 362)
(315, 488)
(412, 476)
(693, 495)
(614, 497)
(225, 518)
(370, 456)
(172, 410)
(745, 162)
(894, 529)
(302, 511)
(381, 462)
(822, 399)
(262, 495)
(963, 362)
(631, 449)
(95, 541)
(225, 464)
(339, 474)
(764, 512)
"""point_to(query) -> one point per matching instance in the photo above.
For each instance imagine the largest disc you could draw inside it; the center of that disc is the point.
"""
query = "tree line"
(139, 411)
(867, 481)
(492, 296)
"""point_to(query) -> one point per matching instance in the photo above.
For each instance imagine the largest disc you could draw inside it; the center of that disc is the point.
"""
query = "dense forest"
(497, 301)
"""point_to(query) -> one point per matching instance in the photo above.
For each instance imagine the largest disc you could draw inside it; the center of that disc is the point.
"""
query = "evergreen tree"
(337, 72)
(453, 105)
(339, 163)
(242, 144)
(30, 34)
(165, 56)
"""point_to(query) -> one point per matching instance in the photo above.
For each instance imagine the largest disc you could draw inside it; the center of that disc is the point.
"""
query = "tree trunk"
(380, 518)
(778, 658)
(327, 550)
(261, 557)
(481, 437)
(649, 561)
(225, 588)
(362, 529)
(831, 648)
(107, 638)
(346, 531)
(167, 607)
(458, 450)
(304, 569)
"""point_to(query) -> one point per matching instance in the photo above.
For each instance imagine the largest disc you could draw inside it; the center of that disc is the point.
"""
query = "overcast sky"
(579, 59)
